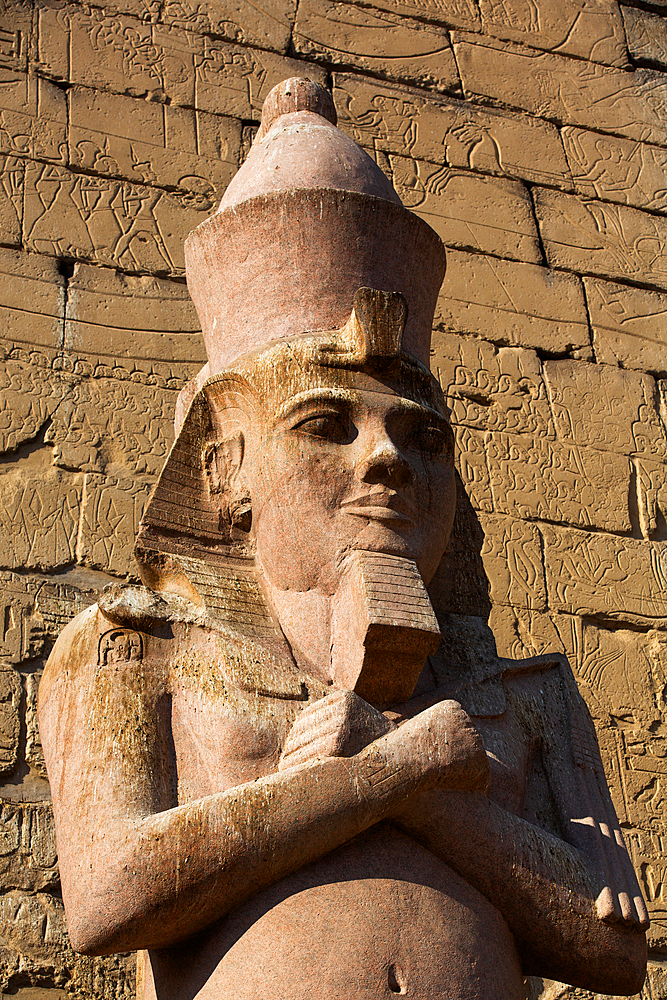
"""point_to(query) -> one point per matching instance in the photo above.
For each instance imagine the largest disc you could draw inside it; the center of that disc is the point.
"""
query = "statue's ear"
(222, 462)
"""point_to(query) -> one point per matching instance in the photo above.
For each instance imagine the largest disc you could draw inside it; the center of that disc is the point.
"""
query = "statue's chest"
(230, 715)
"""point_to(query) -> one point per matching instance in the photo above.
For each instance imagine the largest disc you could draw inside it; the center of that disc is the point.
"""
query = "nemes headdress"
(311, 253)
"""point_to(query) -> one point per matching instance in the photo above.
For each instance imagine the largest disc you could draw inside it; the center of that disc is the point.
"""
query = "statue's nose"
(385, 464)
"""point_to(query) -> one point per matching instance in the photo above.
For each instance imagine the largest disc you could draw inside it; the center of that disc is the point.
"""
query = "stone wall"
(532, 135)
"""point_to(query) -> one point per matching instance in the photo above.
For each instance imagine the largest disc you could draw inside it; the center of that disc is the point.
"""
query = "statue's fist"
(339, 725)
(443, 748)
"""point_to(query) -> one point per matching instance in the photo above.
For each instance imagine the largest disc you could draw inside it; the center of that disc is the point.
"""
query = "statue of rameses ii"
(277, 769)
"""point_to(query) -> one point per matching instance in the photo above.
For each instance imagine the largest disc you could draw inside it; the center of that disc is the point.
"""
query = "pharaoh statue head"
(310, 488)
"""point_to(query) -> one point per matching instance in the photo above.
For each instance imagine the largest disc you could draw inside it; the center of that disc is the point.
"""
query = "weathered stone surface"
(621, 674)
(33, 745)
(613, 169)
(22, 631)
(450, 13)
(392, 120)
(15, 24)
(266, 24)
(600, 574)
(491, 388)
(378, 42)
(467, 211)
(472, 465)
(122, 316)
(587, 30)
(28, 858)
(11, 198)
(33, 303)
(629, 325)
(537, 479)
(570, 91)
(515, 304)
(611, 241)
(647, 36)
(33, 942)
(45, 502)
(33, 119)
(512, 557)
(111, 222)
(602, 407)
(10, 700)
(111, 509)
(652, 498)
(127, 56)
(155, 144)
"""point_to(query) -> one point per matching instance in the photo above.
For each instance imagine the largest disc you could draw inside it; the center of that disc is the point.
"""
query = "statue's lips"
(384, 506)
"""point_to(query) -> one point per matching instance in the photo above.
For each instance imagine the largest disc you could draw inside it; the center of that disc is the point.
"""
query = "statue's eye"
(432, 439)
(329, 426)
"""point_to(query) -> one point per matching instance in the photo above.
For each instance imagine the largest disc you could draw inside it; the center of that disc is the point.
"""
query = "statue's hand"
(339, 725)
(444, 747)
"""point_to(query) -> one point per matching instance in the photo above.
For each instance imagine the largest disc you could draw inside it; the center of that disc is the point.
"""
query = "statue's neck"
(371, 636)
(305, 618)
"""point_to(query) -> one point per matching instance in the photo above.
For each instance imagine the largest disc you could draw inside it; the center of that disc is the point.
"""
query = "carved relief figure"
(277, 769)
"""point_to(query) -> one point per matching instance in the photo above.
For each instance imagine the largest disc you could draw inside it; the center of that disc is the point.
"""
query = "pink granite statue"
(276, 769)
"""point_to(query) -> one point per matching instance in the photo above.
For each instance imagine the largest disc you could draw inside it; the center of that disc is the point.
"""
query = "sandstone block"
(589, 573)
(58, 603)
(613, 169)
(127, 56)
(33, 935)
(451, 13)
(155, 144)
(111, 222)
(267, 25)
(12, 182)
(647, 35)
(521, 632)
(28, 857)
(33, 303)
(34, 757)
(10, 723)
(378, 42)
(472, 465)
(652, 497)
(629, 325)
(468, 211)
(110, 514)
(601, 407)
(33, 119)
(15, 25)
(517, 304)
(586, 30)
(131, 316)
(22, 630)
(571, 91)
(611, 241)
(392, 120)
(647, 856)
(461, 584)
(39, 516)
(534, 478)
(491, 388)
(512, 558)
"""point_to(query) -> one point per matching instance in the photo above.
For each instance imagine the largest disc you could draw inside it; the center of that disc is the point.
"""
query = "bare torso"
(380, 916)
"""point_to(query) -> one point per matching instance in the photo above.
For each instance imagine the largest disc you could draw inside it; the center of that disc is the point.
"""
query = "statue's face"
(336, 469)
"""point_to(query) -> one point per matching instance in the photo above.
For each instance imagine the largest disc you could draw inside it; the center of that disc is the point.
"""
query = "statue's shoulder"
(74, 651)
(485, 679)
